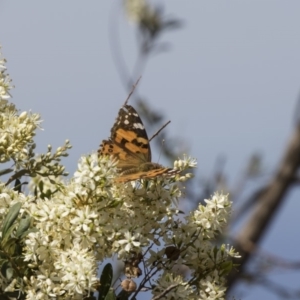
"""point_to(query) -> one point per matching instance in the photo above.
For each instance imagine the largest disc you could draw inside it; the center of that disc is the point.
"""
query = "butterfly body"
(129, 144)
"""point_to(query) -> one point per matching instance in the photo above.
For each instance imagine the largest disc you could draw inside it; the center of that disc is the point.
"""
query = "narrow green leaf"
(7, 235)
(4, 267)
(28, 231)
(35, 192)
(10, 217)
(226, 267)
(111, 295)
(215, 251)
(52, 181)
(41, 185)
(105, 281)
(23, 226)
(9, 247)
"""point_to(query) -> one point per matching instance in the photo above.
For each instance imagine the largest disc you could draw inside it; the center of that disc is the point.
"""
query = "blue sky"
(229, 83)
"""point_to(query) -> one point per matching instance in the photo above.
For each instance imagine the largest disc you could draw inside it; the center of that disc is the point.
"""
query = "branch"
(266, 206)
(16, 176)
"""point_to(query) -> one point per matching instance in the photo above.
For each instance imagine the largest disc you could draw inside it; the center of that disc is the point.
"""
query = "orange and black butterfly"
(129, 144)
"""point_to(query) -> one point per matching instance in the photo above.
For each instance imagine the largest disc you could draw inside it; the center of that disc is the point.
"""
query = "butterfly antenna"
(157, 132)
(132, 90)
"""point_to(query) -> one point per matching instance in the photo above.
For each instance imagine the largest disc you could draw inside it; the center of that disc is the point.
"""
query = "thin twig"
(157, 132)
(150, 273)
(132, 90)
(166, 291)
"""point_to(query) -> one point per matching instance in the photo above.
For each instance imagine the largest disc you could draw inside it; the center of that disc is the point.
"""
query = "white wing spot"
(126, 122)
(138, 126)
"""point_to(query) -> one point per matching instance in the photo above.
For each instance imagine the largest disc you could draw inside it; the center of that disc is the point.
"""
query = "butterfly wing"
(142, 174)
(128, 142)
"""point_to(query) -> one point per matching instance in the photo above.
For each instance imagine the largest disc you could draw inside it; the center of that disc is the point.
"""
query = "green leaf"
(52, 181)
(48, 194)
(9, 246)
(35, 192)
(215, 251)
(105, 281)
(27, 232)
(111, 295)
(4, 267)
(226, 267)
(9, 273)
(41, 185)
(10, 218)
(6, 241)
(23, 226)
(8, 236)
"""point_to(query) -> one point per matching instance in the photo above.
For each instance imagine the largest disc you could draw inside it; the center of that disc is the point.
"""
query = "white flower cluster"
(16, 130)
(92, 215)
(212, 287)
(92, 218)
(74, 225)
(191, 239)
(5, 81)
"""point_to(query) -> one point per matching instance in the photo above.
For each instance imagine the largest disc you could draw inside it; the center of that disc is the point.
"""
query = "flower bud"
(128, 285)
(23, 116)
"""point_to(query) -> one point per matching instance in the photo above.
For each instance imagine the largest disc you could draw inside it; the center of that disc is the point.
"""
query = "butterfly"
(129, 144)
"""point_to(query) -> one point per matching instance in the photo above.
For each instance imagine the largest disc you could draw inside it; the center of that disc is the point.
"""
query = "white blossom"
(5, 81)
(75, 224)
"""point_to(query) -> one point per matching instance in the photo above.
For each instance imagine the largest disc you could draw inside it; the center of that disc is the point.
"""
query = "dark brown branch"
(5, 171)
(16, 176)
(157, 132)
(266, 206)
(132, 90)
